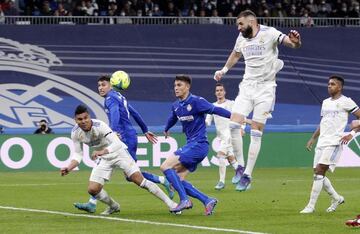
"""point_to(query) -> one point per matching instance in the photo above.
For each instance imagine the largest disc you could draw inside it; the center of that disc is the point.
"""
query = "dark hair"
(43, 121)
(339, 78)
(81, 109)
(246, 13)
(184, 78)
(220, 84)
(104, 78)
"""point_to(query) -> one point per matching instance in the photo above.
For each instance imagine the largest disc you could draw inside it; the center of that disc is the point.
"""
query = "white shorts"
(327, 155)
(103, 170)
(226, 147)
(256, 97)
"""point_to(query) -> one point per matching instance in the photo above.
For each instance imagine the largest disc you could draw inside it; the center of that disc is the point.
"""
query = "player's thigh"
(264, 104)
(330, 156)
(131, 143)
(171, 161)
(191, 154)
(126, 163)
(243, 103)
(101, 172)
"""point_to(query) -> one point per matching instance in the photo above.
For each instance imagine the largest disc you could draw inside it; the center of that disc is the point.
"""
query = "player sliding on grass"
(258, 45)
(111, 153)
(191, 111)
(119, 111)
(334, 116)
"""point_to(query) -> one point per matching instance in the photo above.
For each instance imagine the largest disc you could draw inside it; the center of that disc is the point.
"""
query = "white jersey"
(334, 115)
(221, 123)
(261, 54)
(99, 137)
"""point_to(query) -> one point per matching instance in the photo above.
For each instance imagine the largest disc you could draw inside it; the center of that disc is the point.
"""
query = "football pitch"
(33, 202)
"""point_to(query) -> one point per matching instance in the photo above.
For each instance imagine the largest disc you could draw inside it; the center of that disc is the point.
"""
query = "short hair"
(184, 78)
(338, 78)
(43, 121)
(81, 109)
(104, 78)
(246, 13)
(220, 84)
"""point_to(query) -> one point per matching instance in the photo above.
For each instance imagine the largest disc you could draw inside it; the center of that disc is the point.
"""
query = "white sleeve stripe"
(354, 109)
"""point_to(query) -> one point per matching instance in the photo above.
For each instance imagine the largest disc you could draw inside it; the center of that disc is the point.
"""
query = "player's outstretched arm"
(66, 170)
(138, 119)
(293, 39)
(232, 60)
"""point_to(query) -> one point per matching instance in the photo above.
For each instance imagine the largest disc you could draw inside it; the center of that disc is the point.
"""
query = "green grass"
(271, 206)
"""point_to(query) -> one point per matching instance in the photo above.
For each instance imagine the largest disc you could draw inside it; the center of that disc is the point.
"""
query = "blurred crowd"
(209, 8)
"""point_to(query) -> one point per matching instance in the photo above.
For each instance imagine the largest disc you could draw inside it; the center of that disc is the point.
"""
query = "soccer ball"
(120, 80)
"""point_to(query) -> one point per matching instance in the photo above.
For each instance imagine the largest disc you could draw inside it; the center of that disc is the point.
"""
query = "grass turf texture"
(271, 206)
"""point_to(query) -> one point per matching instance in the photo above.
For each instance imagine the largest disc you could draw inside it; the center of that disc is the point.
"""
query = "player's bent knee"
(137, 178)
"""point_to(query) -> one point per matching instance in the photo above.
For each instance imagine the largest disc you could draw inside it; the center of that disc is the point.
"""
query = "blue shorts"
(131, 143)
(192, 154)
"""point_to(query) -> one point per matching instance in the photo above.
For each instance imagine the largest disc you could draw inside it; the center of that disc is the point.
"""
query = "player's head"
(335, 85)
(43, 124)
(246, 23)
(104, 85)
(82, 117)
(182, 86)
(220, 91)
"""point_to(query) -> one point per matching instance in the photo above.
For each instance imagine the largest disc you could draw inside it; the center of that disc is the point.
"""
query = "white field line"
(129, 220)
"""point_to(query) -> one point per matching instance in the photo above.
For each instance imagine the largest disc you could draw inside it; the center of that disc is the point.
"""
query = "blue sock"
(174, 179)
(194, 192)
(151, 177)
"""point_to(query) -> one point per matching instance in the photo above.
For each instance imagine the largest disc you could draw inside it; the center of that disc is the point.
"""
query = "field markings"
(129, 220)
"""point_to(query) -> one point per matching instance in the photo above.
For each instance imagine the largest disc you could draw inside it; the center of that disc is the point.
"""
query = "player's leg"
(263, 105)
(222, 168)
(168, 168)
(332, 156)
(101, 173)
(237, 146)
(131, 142)
(192, 191)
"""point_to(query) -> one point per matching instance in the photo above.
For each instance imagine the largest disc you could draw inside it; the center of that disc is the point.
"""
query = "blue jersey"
(119, 112)
(191, 112)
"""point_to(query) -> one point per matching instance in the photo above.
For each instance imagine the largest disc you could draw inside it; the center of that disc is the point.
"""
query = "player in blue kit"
(191, 111)
(119, 112)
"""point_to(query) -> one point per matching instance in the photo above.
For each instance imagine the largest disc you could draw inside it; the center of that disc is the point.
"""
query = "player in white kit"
(334, 117)
(230, 149)
(258, 45)
(111, 153)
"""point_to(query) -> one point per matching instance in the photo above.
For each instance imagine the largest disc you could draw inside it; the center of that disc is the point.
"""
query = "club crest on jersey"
(188, 107)
(261, 40)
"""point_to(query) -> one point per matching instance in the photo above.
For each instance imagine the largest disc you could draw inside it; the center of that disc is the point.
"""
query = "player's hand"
(346, 139)
(310, 144)
(167, 134)
(151, 137)
(294, 36)
(218, 75)
(64, 171)
(98, 153)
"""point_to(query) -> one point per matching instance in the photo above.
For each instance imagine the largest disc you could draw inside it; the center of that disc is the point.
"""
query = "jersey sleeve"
(171, 121)
(78, 152)
(350, 106)
(203, 106)
(113, 140)
(138, 119)
(277, 36)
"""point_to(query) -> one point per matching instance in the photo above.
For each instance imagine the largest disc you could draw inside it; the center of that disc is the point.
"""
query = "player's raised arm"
(232, 60)
(293, 39)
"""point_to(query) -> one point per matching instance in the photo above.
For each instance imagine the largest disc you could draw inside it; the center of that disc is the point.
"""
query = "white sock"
(222, 169)
(154, 189)
(254, 149)
(162, 179)
(237, 142)
(93, 200)
(330, 189)
(234, 164)
(104, 197)
(315, 190)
